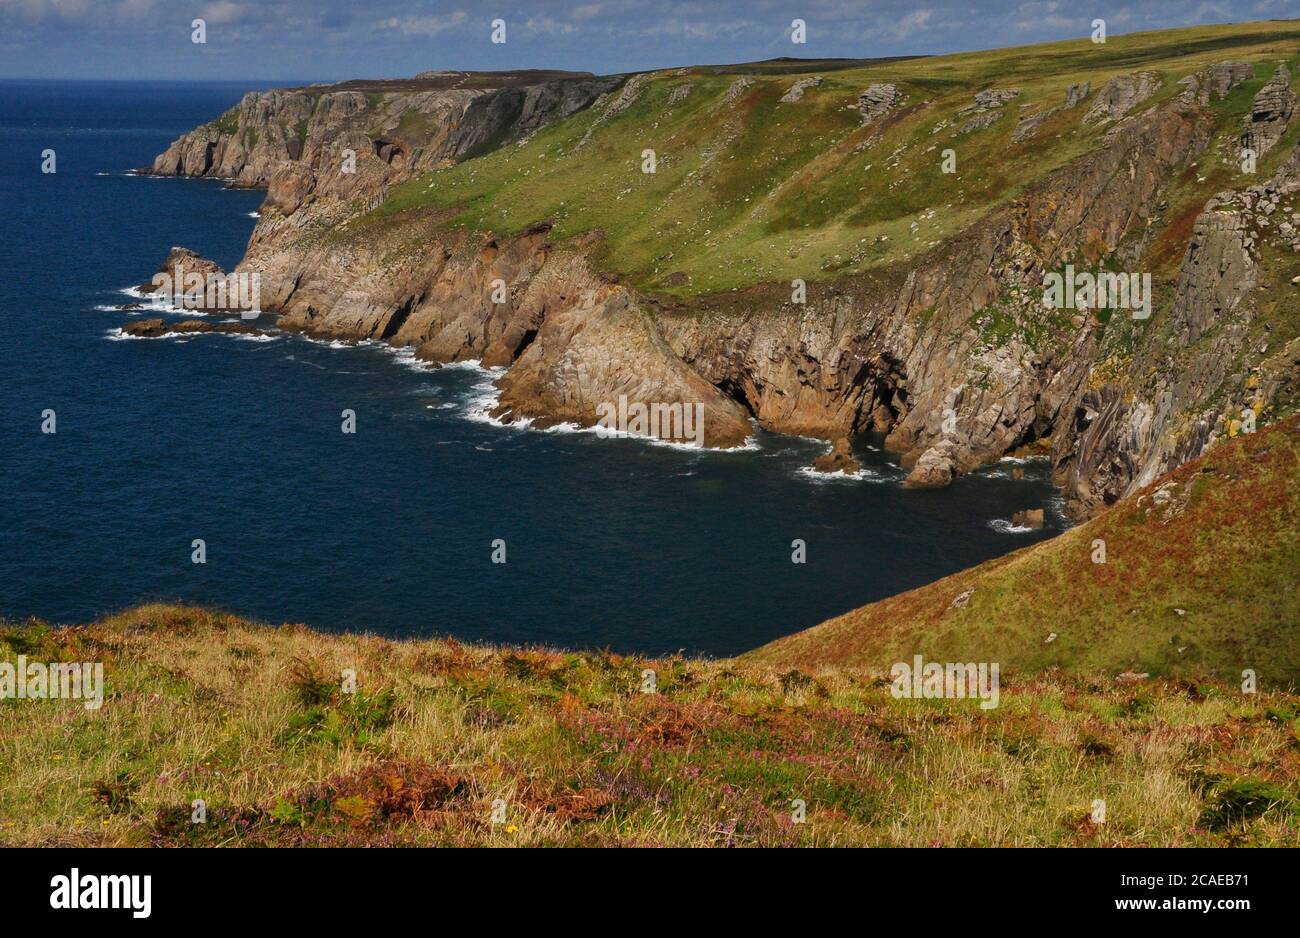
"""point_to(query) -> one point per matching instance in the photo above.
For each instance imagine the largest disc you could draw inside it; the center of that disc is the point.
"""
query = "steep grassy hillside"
(1201, 575)
(252, 720)
(750, 189)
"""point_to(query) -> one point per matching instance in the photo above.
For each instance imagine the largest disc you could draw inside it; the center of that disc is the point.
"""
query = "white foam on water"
(156, 303)
(404, 355)
(117, 335)
(862, 475)
(1003, 526)
(110, 308)
(485, 395)
(1024, 460)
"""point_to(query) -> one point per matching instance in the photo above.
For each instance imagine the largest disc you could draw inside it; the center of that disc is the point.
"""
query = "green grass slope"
(1201, 575)
(748, 189)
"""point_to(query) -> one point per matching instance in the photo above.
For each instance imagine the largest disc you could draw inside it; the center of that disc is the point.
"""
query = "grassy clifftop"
(748, 188)
(1201, 575)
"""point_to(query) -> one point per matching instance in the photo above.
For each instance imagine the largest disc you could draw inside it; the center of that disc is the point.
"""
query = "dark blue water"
(237, 442)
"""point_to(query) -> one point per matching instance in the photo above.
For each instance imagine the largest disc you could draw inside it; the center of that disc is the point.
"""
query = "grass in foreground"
(252, 720)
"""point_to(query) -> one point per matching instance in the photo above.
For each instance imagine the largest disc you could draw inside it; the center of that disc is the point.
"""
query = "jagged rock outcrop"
(1126, 433)
(332, 143)
(986, 109)
(1076, 93)
(1270, 114)
(1120, 95)
(1215, 83)
(180, 263)
(426, 120)
(797, 90)
(878, 100)
(991, 98)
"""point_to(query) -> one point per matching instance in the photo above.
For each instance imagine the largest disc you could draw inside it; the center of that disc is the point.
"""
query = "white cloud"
(423, 25)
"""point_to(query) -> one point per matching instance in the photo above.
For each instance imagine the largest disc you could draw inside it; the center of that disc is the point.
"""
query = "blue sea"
(609, 543)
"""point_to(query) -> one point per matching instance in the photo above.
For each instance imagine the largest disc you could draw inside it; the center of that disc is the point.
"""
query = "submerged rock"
(1029, 518)
(156, 327)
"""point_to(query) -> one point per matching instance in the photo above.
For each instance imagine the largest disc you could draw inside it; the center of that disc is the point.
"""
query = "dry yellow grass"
(252, 720)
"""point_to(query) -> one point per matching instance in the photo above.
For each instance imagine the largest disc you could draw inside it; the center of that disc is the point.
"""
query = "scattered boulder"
(987, 108)
(1120, 95)
(839, 459)
(979, 122)
(962, 599)
(1074, 95)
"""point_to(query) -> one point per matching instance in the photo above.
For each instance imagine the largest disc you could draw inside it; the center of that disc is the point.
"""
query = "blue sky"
(281, 40)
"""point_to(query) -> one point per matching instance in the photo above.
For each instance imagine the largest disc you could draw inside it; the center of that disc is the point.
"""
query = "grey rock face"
(991, 98)
(1270, 115)
(1028, 124)
(1120, 95)
(1075, 94)
(878, 100)
(986, 109)
(797, 90)
(1214, 84)
(405, 131)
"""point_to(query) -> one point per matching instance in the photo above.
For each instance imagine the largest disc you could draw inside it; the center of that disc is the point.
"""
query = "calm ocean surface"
(609, 542)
